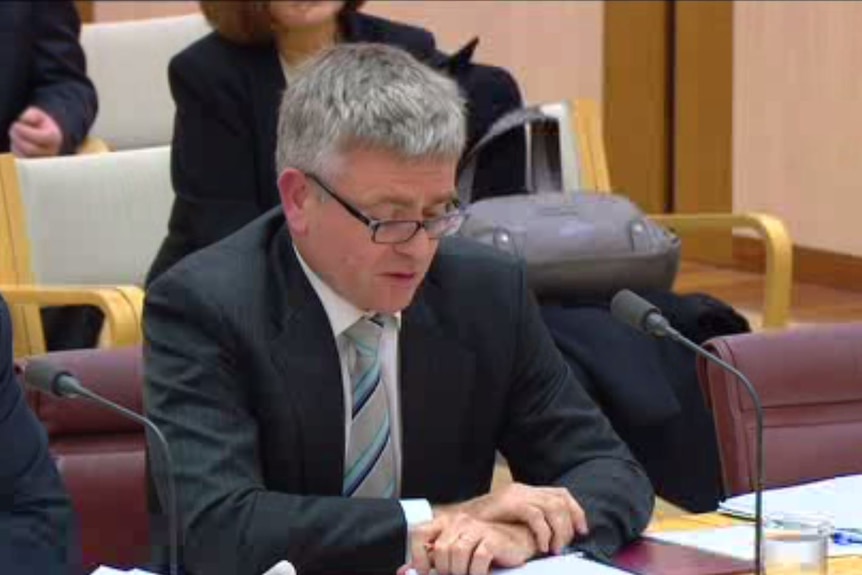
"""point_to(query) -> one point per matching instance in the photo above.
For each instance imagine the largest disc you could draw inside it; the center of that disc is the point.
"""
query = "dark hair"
(248, 21)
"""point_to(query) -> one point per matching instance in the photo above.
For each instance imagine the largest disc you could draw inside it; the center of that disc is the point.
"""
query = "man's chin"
(394, 303)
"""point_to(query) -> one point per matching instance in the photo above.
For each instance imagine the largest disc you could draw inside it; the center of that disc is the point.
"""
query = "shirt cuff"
(416, 511)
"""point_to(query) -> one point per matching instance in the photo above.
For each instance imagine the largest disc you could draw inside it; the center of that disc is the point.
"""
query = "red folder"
(652, 557)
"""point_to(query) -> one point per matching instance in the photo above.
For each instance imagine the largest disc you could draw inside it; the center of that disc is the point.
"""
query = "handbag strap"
(544, 168)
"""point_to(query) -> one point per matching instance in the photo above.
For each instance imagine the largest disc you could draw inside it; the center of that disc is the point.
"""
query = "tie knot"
(365, 334)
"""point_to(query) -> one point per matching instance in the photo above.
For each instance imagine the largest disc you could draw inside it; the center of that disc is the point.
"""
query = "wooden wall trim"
(810, 265)
(85, 10)
(703, 119)
(636, 100)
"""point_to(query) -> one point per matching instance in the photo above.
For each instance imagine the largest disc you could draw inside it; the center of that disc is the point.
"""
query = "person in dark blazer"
(47, 106)
(227, 88)
(47, 103)
(335, 378)
(37, 527)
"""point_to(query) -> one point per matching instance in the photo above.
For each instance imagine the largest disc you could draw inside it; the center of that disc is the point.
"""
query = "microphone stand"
(168, 482)
(758, 442)
(632, 309)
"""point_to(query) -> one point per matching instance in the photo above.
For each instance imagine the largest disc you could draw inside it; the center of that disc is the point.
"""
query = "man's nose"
(418, 246)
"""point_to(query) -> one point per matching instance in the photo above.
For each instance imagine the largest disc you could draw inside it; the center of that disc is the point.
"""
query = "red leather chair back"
(101, 455)
(810, 384)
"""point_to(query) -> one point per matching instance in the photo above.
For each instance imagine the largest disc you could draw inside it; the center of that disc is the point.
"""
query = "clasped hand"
(503, 529)
(35, 134)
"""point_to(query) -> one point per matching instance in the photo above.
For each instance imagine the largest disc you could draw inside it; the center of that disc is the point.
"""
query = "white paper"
(736, 541)
(282, 568)
(562, 565)
(839, 500)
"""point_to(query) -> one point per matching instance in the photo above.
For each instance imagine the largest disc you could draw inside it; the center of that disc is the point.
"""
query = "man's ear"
(294, 193)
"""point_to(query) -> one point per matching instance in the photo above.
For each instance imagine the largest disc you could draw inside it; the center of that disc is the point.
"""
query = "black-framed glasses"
(400, 231)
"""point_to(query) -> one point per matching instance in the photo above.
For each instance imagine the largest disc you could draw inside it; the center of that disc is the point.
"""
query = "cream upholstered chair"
(81, 230)
(128, 63)
(584, 166)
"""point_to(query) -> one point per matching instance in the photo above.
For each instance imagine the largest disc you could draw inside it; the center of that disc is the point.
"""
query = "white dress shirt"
(342, 314)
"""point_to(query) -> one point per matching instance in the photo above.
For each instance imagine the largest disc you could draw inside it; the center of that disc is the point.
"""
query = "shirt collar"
(341, 313)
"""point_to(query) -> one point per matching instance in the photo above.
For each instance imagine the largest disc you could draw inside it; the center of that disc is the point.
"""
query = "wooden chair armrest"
(779, 253)
(93, 145)
(664, 509)
(122, 305)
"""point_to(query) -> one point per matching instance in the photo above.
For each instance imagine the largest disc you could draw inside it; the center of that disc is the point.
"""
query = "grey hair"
(368, 96)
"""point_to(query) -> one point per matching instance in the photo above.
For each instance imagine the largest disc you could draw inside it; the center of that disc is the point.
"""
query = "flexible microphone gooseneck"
(48, 378)
(637, 312)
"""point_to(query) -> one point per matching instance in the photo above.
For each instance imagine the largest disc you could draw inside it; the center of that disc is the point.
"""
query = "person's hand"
(457, 544)
(551, 513)
(35, 134)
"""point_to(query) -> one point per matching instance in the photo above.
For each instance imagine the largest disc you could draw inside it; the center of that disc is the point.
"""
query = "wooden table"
(837, 565)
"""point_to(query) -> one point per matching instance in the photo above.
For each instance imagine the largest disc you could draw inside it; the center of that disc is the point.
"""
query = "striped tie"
(369, 470)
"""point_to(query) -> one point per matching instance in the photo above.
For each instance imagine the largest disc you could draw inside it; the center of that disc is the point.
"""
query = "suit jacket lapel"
(437, 379)
(304, 351)
(437, 375)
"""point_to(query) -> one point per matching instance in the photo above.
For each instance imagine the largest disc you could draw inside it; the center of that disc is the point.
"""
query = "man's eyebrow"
(442, 198)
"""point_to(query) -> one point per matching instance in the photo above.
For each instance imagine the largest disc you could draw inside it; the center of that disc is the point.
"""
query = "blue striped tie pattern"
(369, 469)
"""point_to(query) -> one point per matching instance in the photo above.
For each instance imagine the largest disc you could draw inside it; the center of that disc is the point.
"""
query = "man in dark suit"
(47, 103)
(36, 520)
(335, 378)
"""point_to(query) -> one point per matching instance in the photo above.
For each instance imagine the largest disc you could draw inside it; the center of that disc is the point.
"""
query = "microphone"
(46, 377)
(637, 312)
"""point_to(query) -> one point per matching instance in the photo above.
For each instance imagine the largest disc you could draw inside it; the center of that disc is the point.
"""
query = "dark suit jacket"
(243, 378)
(37, 532)
(653, 399)
(42, 64)
(227, 97)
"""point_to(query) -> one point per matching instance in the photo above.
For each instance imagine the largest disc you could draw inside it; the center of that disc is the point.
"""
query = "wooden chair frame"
(122, 305)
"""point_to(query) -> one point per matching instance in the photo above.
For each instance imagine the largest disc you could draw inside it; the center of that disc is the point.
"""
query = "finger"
(462, 553)
(523, 504)
(32, 116)
(421, 546)
(573, 508)
(34, 134)
(524, 508)
(575, 512)
(539, 526)
(510, 545)
(23, 148)
(421, 560)
(443, 550)
(480, 563)
(580, 517)
(556, 513)
(563, 529)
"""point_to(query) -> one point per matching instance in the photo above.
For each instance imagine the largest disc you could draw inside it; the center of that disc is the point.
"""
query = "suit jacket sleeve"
(60, 83)
(36, 517)
(212, 156)
(556, 435)
(198, 394)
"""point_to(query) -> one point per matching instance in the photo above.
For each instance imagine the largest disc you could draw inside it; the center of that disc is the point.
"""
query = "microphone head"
(45, 376)
(633, 310)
